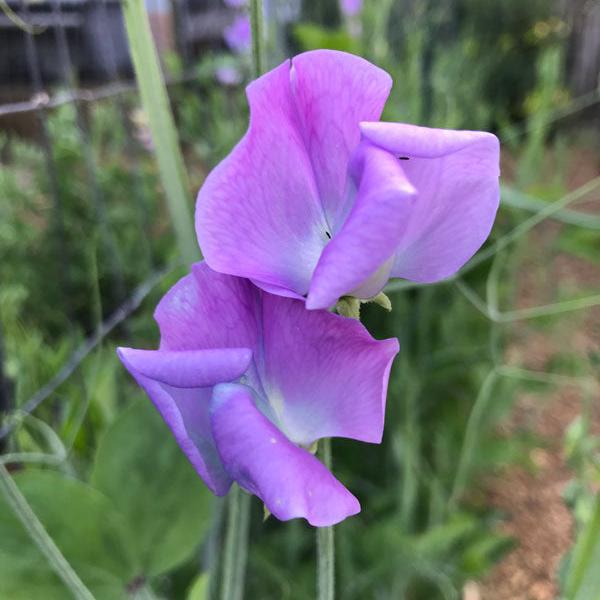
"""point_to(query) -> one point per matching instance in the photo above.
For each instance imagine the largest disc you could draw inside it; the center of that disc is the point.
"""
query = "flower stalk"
(325, 543)
(256, 23)
(236, 545)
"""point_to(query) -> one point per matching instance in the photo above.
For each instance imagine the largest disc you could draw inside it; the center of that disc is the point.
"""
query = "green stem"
(325, 544)
(256, 21)
(236, 545)
(471, 438)
(548, 211)
(582, 557)
(40, 536)
(162, 126)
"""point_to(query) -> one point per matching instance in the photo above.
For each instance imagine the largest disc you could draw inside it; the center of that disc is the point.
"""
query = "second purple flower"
(248, 382)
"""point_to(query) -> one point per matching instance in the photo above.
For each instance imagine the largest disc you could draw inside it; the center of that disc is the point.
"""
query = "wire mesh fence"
(46, 30)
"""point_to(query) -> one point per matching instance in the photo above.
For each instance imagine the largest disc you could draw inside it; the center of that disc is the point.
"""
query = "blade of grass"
(516, 199)
(162, 125)
(582, 561)
(40, 536)
(469, 446)
(256, 21)
(523, 314)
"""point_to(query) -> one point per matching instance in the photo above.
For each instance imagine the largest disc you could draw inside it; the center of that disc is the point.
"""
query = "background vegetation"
(86, 243)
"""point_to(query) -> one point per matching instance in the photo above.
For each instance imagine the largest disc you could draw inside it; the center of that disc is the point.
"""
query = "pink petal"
(325, 376)
(372, 231)
(185, 409)
(188, 312)
(334, 92)
(258, 214)
(289, 480)
(456, 176)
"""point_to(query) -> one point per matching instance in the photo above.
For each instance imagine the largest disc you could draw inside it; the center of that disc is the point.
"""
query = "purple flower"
(247, 381)
(238, 35)
(351, 7)
(228, 75)
(320, 200)
(236, 3)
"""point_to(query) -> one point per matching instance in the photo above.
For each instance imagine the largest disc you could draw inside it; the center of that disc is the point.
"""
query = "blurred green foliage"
(142, 514)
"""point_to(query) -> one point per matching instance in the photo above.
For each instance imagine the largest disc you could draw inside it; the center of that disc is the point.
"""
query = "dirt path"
(537, 517)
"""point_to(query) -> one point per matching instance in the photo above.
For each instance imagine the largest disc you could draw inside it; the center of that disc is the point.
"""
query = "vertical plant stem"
(40, 536)
(236, 545)
(242, 545)
(471, 438)
(164, 134)
(583, 555)
(5, 395)
(325, 544)
(256, 21)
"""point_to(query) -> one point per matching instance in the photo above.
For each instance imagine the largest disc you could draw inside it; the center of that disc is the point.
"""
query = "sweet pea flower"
(228, 75)
(351, 8)
(320, 199)
(247, 381)
(238, 35)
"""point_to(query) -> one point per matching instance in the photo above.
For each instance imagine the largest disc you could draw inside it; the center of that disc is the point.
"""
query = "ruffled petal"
(334, 91)
(371, 234)
(185, 409)
(208, 310)
(258, 214)
(289, 480)
(269, 208)
(325, 376)
(456, 175)
(188, 369)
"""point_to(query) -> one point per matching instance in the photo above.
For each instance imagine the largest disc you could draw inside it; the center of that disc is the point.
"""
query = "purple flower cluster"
(318, 200)
(238, 35)
(351, 8)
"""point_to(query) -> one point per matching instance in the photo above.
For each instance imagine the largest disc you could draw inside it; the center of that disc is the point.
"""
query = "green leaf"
(140, 467)
(84, 526)
(312, 37)
(582, 243)
(583, 575)
(199, 589)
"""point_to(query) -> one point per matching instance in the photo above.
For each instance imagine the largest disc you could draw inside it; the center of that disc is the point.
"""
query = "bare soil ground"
(537, 517)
